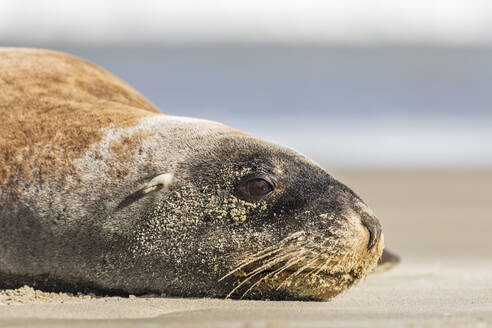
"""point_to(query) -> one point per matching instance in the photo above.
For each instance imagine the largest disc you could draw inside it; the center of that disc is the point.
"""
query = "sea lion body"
(100, 191)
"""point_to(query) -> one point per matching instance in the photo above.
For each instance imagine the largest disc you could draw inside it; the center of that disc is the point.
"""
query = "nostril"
(374, 227)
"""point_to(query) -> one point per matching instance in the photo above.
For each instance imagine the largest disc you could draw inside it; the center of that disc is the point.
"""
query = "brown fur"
(52, 108)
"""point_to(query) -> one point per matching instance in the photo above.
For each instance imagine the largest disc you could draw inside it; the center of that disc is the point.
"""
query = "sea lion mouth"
(301, 271)
(309, 284)
(315, 277)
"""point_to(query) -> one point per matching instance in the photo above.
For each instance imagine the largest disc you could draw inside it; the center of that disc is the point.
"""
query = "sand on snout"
(439, 222)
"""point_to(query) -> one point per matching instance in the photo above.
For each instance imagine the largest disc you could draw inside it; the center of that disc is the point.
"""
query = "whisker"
(299, 270)
(285, 280)
(259, 270)
(288, 265)
(256, 283)
(242, 283)
(264, 253)
(310, 272)
(307, 265)
(274, 261)
(323, 267)
(279, 254)
(248, 262)
(273, 273)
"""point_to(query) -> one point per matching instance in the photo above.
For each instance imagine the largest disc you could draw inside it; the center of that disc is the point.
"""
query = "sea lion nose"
(374, 227)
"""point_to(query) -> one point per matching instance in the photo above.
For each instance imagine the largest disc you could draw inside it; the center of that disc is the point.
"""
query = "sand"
(439, 222)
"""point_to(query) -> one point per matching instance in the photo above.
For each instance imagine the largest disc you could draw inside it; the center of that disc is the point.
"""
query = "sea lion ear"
(162, 181)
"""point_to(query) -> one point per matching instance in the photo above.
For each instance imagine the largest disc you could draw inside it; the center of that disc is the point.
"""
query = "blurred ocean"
(386, 84)
(352, 106)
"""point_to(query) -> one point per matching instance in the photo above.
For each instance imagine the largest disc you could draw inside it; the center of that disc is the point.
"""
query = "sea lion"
(102, 192)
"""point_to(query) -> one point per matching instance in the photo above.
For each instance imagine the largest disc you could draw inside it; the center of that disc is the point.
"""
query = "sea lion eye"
(255, 189)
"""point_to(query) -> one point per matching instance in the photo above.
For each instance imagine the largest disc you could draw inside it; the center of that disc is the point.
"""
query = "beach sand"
(439, 222)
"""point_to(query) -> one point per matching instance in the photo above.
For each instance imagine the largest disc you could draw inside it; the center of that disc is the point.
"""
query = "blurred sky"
(349, 83)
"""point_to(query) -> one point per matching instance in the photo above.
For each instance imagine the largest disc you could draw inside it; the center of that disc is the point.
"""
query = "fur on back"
(52, 108)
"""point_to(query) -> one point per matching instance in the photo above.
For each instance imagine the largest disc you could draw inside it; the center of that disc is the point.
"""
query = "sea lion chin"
(102, 192)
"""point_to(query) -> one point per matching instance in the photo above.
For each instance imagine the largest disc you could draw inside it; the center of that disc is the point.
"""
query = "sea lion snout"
(363, 213)
(341, 203)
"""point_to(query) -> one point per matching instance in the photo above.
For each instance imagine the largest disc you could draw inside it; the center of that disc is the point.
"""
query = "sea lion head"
(111, 194)
(244, 218)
